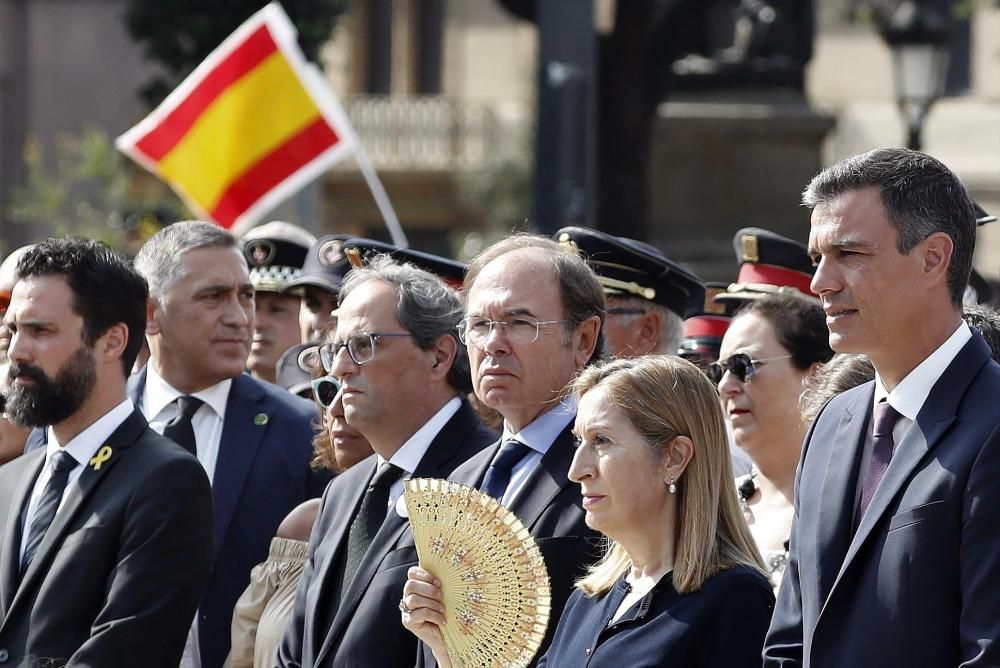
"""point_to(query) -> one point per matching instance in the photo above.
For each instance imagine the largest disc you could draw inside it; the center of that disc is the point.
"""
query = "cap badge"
(331, 253)
(260, 252)
(751, 252)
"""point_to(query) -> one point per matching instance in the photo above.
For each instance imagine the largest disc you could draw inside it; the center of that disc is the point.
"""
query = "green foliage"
(88, 189)
(179, 34)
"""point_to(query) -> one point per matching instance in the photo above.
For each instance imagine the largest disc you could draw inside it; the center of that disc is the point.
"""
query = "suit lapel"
(442, 449)
(938, 413)
(843, 454)
(94, 472)
(243, 430)
(10, 552)
(546, 481)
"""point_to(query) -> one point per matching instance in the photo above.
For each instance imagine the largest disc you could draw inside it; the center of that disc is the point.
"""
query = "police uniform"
(769, 264)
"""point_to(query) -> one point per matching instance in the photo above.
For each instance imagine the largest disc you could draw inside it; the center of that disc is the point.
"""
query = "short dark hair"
(107, 290)
(581, 295)
(920, 195)
(800, 325)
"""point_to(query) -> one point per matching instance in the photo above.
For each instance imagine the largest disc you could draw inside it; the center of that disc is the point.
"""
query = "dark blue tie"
(61, 463)
(498, 474)
(884, 418)
(180, 430)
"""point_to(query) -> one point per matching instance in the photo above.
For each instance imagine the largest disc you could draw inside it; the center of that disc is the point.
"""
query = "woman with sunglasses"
(769, 352)
(263, 610)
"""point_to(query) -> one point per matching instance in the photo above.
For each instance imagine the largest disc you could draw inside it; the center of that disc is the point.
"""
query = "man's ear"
(650, 325)
(112, 344)
(936, 253)
(444, 351)
(585, 340)
(153, 312)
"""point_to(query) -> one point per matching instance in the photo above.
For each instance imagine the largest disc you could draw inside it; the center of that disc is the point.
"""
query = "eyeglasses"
(360, 346)
(325, 390)
(474, 331)
(740, 365)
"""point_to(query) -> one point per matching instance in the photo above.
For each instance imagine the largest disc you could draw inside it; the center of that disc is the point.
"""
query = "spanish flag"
(248, 128)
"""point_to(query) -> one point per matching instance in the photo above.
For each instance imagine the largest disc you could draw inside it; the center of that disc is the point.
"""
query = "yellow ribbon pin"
(103, 455)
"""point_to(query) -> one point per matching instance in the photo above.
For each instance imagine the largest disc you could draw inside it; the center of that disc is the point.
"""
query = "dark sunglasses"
(740, 365)
(325, 390)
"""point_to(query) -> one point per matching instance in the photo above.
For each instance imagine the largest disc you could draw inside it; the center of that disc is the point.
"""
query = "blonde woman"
(682, 583)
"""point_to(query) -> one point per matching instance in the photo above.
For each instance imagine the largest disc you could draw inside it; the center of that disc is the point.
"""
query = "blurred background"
(672, 121)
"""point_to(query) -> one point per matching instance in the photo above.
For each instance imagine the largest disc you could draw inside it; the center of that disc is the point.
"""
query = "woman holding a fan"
(681, 583)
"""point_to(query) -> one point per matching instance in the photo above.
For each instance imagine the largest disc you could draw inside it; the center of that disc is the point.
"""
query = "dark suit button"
(4, 655)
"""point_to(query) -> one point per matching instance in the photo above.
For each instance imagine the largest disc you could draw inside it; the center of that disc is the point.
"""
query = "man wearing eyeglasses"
(895, 551)
(404, 375)
(534, 311)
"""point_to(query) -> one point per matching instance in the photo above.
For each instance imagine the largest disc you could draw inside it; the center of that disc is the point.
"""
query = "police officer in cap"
(769, 264)
(275, 253)
(319, 284)
(648, 294)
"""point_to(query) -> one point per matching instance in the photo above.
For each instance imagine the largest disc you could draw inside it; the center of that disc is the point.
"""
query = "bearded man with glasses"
(404, 375)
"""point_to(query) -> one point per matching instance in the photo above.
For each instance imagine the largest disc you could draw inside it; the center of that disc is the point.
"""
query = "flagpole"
(381, 198)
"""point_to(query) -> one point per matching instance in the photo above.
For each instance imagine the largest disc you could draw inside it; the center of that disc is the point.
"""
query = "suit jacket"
(551, 508)
(122, 566)
(366, 630)
(916, 585)
(261, 474)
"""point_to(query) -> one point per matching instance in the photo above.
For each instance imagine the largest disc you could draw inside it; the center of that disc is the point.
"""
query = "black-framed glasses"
(475, 330)
(325, 390)
(360, 346)
(740, 365)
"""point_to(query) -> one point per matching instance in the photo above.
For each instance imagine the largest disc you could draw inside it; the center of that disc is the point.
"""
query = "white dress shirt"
(158, 398)
(413, 450)
(538, 435)
(909, 396)
(82, 447)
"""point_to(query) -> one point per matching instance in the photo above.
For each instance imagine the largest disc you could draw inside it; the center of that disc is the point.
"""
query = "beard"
(50, 401)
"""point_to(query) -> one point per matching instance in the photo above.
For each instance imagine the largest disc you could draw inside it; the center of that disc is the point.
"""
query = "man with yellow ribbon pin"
(107, 546)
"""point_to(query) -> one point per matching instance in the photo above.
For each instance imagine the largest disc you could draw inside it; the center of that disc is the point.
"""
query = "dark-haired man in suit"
(895, 553)
(107, 530)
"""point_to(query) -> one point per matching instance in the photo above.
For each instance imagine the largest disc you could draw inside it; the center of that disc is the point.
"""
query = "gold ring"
(403, 607)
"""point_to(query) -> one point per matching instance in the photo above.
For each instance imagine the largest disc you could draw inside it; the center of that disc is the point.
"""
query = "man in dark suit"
(252, 438)
(404, 374)
(106, 531)
(895, 552)
(533, 320)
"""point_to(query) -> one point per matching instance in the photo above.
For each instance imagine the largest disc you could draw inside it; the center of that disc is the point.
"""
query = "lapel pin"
(103, 455)
(260, 419)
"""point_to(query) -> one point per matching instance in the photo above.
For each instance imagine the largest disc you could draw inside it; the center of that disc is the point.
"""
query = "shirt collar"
(413, 450)
(909, 395)
(540, 433)
(158, 394)
(85, 445)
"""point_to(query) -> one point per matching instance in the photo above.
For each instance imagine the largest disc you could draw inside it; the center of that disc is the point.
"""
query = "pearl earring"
(671, 487)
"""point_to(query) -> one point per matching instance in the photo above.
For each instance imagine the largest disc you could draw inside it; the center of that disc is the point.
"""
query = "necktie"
(366, 523)
(61, 463)
(884, 419)
(180, 430)
(498, 474)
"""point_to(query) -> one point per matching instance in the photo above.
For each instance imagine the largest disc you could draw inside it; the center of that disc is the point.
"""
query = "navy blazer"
(722, 625)
(917, 584)
(117, 578)
(366, 630)
(551, 508)
(261, 474)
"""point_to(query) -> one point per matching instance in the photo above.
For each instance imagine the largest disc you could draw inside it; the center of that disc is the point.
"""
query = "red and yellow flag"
(248, 128)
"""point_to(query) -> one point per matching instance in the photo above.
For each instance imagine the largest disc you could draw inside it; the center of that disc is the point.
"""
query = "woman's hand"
(422, 611)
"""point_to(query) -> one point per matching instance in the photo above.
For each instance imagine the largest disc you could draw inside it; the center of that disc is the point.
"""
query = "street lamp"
(918, 38)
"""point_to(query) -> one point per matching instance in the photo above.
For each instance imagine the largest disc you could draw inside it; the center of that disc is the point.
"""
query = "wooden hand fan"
(496, 588)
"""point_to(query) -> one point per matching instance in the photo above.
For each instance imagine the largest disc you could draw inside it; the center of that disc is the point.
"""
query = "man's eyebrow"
(842, 243)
